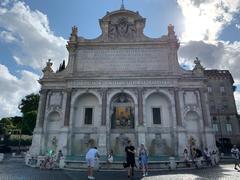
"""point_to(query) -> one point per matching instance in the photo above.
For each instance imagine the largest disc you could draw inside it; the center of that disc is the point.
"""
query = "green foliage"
(10, 125)
(29, 122)
(2, 128)
(24, 124)
(28, 107)
(29, 103)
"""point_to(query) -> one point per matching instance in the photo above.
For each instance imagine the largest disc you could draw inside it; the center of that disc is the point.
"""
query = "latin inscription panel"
(122, 59)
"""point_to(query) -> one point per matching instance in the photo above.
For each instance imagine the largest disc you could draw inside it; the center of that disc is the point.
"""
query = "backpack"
(199, 153)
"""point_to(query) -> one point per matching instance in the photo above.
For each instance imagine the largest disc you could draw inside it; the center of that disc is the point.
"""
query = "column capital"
(68, 90)
(103, 91)
(177, 89)
(43, 91)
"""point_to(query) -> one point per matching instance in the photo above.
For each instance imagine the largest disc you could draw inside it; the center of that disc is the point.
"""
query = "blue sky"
(32, 31)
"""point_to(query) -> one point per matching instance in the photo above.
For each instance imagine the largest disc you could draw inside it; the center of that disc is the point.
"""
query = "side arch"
(81, 92)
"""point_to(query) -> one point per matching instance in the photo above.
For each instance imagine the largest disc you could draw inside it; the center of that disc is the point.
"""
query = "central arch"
(122, 111)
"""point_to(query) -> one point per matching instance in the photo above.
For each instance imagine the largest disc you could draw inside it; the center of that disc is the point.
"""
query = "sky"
(33, 31)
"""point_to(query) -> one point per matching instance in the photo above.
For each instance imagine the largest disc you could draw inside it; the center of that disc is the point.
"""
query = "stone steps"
(152, 165)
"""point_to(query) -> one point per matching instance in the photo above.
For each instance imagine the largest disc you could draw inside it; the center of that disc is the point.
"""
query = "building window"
(228, 119)
(229, 127)
(212, 108)
(215, 127)
(209, 89)
(224, 105)
(222, 90)
(211, 102)
(88, 115)
(156, 115)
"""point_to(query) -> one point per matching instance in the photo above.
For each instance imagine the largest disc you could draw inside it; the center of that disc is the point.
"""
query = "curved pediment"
(122, 25)
(122, 12)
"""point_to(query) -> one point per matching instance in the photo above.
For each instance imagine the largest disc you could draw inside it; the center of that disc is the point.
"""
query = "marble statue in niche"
(120, 144)
(122, 109)
(54, 144)
(85, 143)
(158, 146)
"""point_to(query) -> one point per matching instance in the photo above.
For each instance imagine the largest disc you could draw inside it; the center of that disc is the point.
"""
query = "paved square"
(16, 170)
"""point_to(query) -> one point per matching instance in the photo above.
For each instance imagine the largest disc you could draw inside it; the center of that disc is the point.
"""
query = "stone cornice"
(148, 41)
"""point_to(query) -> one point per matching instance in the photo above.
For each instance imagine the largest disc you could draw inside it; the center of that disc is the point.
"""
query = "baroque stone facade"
(123, 85)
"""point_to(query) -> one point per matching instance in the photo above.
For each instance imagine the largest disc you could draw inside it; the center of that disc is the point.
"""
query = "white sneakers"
(91, 177)
(145, 174)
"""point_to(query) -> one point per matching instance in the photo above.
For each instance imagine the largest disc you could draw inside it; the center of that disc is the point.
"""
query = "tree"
(26, 123)
(29, 107)
(10, 124)
(29, 103)
(2, 128)
(29, 122)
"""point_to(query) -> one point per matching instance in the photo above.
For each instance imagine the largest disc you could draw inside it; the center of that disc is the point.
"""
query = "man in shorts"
(91, 155)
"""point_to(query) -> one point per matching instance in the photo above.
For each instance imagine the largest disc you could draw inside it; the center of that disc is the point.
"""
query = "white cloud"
(13, 89)
(204, 22)
(7, 37)
(237, 99)
(37, 42)
(205, 19)
(223, 55)
(18, 61)
(4, 2)
(238, 26)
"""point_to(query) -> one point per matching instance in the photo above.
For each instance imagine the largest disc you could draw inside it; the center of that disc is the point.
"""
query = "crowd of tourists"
(189, 157)
(196, 154)
(92, 157)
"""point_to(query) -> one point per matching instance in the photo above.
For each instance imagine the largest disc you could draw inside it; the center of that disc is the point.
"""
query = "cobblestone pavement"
(16, 170)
